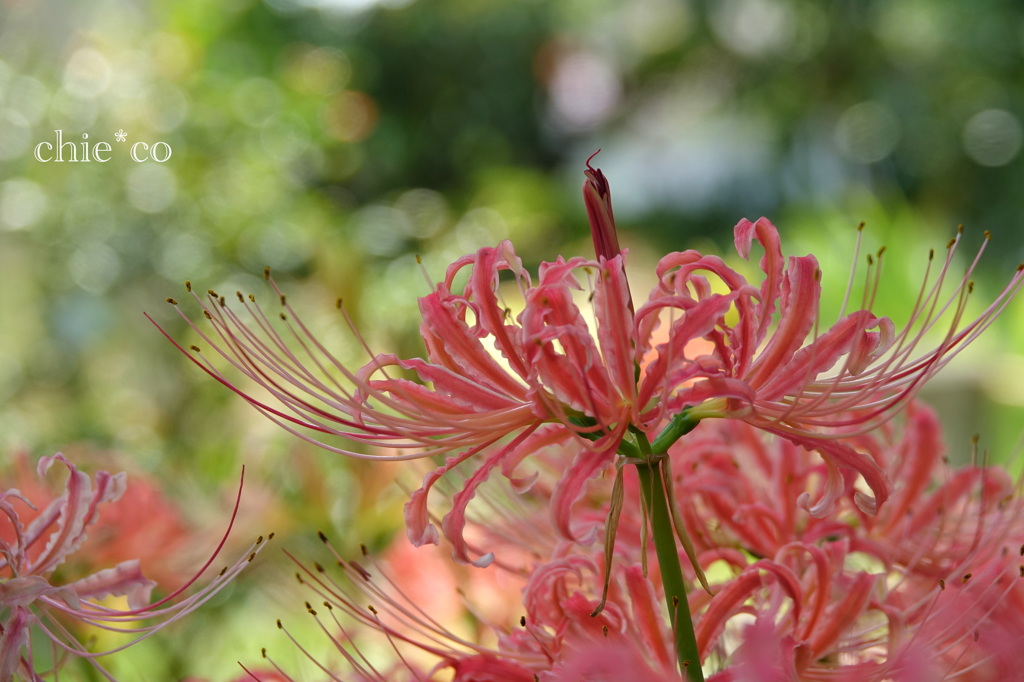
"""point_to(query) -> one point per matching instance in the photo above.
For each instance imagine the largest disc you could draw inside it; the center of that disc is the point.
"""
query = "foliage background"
(334, 140)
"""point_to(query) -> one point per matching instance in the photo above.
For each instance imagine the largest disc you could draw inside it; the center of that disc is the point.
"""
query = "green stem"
(680, 425)
(653, 486)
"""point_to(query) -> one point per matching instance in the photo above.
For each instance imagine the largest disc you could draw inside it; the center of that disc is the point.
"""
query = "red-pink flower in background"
(161, 544)
(928, 588)
(30, 553)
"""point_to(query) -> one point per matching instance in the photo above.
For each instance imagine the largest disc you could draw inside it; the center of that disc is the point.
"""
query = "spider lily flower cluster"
(500, 383)
(491, 378)
(930, 588)
(31, 599)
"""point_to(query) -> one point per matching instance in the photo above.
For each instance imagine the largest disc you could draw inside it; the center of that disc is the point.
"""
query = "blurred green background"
(335, 140)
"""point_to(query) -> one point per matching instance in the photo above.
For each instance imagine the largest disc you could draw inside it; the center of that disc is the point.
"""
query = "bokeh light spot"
(151, 188)
(94, 267)
(426, 209)
(911, 31)
(22, 204)
(87, 74)
(478, 226)
(28, 97)
(282, 246)
(381, 230)
(350, 116)
(164, 107)
(285, 137)
(584, 90)
(69, 111)
(173, 55)
(656, 26)
(256, 100)
(14, 135)
(181, 255)
(753, 27)
(318, 70)
(867, 132)
(992, 137)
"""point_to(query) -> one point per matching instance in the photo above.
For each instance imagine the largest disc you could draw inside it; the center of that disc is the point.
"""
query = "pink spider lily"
(783, 375)
(30, 554)
(552, 369)
(491, 377)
